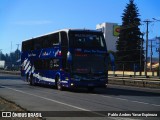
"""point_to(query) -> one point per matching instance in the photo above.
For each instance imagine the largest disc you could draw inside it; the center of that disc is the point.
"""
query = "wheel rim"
(59, 84)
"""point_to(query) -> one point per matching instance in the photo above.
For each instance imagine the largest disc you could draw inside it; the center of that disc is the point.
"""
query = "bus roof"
(65, 30)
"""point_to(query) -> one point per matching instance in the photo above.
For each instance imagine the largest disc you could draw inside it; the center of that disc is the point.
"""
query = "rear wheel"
(31, 80)
(27, 77)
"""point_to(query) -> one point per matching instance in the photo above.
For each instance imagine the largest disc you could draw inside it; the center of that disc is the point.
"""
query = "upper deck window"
(87, 40)
(54, 39)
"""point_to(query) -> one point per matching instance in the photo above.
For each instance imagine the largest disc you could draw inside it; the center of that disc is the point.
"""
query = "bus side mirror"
(69, 57)
(111, 56)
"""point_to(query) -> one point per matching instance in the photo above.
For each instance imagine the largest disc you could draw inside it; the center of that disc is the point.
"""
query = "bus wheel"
(31, 81)
(27, 77)
(58, 84)
(90, 89)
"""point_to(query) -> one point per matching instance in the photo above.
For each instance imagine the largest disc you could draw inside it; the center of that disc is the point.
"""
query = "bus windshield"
(87, 40)
(89, 51)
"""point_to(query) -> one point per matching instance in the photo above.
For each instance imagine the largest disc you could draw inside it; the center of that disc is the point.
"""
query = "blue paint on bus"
(66, 58)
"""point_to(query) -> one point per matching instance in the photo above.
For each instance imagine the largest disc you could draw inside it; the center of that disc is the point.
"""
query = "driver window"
(64, 46)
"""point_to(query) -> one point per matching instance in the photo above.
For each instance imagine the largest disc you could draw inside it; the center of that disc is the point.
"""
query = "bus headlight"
(102, 79)
(76, 79)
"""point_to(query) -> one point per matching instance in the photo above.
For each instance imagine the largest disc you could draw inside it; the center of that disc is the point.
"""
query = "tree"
(11, 59)
(129, 42)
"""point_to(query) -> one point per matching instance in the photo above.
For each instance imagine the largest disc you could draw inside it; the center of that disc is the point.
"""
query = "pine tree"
(129, 42)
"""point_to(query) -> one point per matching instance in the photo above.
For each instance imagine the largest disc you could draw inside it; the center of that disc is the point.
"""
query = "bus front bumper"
(86, 84)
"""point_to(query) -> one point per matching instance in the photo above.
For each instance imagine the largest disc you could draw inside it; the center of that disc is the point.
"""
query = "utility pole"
(151, 57)
(147, 23)
(141, 49)
(158, 48)
(0, 53)
(11, 46)
(151, 53)
(17, 51)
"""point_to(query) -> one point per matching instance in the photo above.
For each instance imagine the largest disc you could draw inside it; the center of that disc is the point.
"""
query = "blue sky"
(24, 19)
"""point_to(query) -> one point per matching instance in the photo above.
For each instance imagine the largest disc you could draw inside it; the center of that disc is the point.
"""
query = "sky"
(24, 19)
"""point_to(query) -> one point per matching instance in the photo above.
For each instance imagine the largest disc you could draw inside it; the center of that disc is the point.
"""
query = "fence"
(135, 81)
(131, 69)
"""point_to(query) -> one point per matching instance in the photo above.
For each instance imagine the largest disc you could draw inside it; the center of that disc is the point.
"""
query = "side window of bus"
(24, 46)
(27, 45)
(38, 64)
(64, 45)
(53, 64)
(45, 42)
(47, 64)
(64, 40)
(54, 39)
(38, 43)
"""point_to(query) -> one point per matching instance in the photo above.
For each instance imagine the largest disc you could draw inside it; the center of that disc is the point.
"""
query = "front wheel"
(90, 89)
(58, 84)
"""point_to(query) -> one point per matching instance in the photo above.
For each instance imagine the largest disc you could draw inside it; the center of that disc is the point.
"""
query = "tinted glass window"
(27, 45)
(53, 39)
(46, 42)
(38, 43)
(64, 39)
(64, 48)
(87, 40)
(47, 64)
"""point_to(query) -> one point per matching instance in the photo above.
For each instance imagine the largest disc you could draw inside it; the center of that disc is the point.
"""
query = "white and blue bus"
(68, 58)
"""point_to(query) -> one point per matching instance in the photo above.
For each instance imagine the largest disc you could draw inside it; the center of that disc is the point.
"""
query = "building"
(111, 31)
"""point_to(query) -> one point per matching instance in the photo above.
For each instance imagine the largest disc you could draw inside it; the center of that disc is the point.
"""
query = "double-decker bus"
(68, 58)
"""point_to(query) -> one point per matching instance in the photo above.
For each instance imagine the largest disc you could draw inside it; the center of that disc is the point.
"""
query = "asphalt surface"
(115, 98)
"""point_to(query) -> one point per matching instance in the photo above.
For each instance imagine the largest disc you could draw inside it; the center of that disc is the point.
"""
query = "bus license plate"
(90, 85)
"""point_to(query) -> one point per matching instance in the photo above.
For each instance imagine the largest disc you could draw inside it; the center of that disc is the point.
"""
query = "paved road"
(114, 98)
